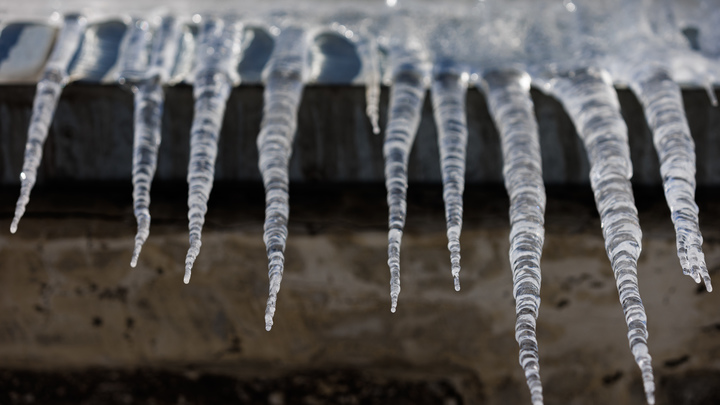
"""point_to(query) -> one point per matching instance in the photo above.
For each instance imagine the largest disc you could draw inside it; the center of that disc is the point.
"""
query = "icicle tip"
(376, 127)
(14, 226)
(269, 314)
(650, 396)
(136, 255)
(708, 284)
(456, 281)
(711, 94)
(190, 258)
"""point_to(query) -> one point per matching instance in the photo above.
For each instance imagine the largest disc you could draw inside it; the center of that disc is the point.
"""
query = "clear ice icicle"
(710, 89)
(359, 28)
(284, 81)
(149, 101)
(408, 59)
(663, 105)
(508, 95)
(591, 102)
(368, 51)
(218, 55)
(448, 90)
(49, 88)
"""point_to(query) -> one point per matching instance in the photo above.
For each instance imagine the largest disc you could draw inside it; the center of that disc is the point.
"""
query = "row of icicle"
(587, 94)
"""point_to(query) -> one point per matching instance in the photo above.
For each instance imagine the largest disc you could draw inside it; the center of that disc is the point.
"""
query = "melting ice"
(508, 95)
(218, 54)
(55, 77)
(284, 82)
(409, 70)
(575, 51)
(149, 100)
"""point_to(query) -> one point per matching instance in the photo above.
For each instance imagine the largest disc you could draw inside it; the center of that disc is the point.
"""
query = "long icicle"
(508, 96)
(49, 88)
(218, 57)
(448, 97)
(409, 73)
(149, 101)
(133, 61)
(591, 101)
(663, 105)
(284, 82)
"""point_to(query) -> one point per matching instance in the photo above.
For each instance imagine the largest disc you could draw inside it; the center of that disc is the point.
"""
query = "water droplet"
(569, 6)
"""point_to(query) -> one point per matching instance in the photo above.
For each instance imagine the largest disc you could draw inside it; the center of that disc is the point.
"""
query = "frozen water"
(448, 97)
(369, 51)
(410, 73)
(592, 104)
(662, 102)
(651, 51)
(55, 77)
(284, 81)
(149, 100)
(218, 55)
(360, 28)
(641, 43)
(508, 95)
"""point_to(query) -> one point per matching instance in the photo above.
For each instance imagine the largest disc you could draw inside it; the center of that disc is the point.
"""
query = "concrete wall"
(70, 301)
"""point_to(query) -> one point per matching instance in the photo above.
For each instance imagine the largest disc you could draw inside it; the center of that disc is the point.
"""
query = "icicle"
(218, 56)
(508, 95)
(358, 27)
(368, 50)
(409, 77)
(448, 97)
(592, 103)
(284, 82)
(55, 77)
(663, 105)
(710, 89)
(149, 100)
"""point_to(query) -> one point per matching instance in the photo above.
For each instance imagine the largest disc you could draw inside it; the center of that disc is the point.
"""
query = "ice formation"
(149, 100)
(662, 102)
(409, 76)
(653, 51)
(591, 102)
(369, 51)
(55, 77)
(218, 55)
(449, 86)
(284, 81)
(508, 95)
(575, 51)
(358, 27)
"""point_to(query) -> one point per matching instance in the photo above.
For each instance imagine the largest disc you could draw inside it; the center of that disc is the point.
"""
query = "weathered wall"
(70, 301)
